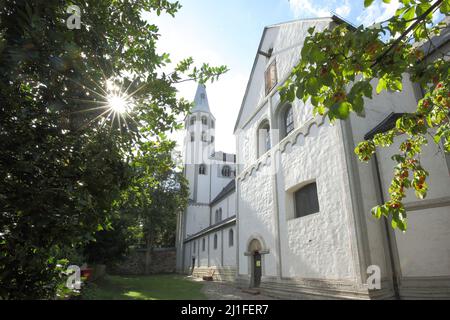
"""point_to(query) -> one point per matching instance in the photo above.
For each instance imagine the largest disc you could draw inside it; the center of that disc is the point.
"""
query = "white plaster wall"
(218, 181)
(432, 159)
(302, 112)
(203, 186)
(425, 248)
(231, 199)
(427, 237)
(203, 254)
(228, 206)
(189, 173)
(197, 218)
(223, 204)
(255, 201)
(229, 253)
(317, 245)
(247, 137)
(376, 110)
(187, 256)
(256, 218)
(215, 255)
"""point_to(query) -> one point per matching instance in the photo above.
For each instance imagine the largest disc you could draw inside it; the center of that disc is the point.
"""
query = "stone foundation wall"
(218, 273)
(163, 260)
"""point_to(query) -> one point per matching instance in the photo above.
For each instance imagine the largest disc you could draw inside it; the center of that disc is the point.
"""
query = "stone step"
(252, 291)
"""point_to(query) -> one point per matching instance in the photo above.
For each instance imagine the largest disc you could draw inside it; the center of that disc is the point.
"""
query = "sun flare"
(117, 103)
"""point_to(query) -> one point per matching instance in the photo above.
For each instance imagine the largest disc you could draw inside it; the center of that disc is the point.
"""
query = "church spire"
(201, 100)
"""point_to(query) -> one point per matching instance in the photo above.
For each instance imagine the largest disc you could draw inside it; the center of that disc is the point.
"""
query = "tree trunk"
(148, 255)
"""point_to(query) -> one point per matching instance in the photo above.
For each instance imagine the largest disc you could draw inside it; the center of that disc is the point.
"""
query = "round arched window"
(226, 171)
(288, 120)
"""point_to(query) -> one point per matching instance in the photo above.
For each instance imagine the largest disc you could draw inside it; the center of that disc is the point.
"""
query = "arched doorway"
(256, 266)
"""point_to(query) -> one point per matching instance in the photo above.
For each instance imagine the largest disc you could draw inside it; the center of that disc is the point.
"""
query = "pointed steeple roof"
(201, 100)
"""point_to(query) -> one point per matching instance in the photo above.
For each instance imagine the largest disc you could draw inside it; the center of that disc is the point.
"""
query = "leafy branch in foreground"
(65, 162)
(339, 66)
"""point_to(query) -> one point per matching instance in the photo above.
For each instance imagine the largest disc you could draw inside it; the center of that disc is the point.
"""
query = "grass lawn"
(154, 287)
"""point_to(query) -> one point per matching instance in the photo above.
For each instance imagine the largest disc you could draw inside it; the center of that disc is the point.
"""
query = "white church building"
(290, 214)
(207, 230)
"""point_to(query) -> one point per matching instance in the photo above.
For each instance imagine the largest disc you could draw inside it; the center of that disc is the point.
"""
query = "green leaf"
(422, 7)
(312, 86)
(367, 3)
(409, 14)
(445, 7)
(397, 85)
(381, 85)
(340, 110)
(376, 212)
(358, 104)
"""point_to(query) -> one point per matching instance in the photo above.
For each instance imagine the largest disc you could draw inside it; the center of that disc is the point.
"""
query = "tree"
(67, 130)
(112, 244)
(336, 72)
(156, 196)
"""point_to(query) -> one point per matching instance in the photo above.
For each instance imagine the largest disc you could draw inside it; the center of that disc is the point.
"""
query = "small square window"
(271, 76)
(306, 201)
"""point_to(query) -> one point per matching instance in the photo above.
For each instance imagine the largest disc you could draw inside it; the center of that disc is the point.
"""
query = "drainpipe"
(388, 233)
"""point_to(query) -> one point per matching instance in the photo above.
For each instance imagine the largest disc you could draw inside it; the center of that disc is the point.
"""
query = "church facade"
(301, 214)
(206, 231)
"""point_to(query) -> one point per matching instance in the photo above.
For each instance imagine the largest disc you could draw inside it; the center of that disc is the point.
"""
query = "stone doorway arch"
(255, 250)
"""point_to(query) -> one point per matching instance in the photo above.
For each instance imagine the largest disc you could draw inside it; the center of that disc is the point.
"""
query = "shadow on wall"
(163, 260)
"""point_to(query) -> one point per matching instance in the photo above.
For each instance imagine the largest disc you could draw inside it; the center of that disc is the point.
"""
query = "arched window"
(231, 238)
(215, 241)
(204, 120)
(202, 169)
(212, 123)
(203, 244)
(264, 144)
(218, 216)
(306, 200)
(212, 139)
(193, 119)
(288, 120)
(204, 138)
(226, 171)
(192, 137)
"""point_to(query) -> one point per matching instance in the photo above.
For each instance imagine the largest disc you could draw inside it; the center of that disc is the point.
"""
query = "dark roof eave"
(387, 124)
(212, 228)
(229, 188)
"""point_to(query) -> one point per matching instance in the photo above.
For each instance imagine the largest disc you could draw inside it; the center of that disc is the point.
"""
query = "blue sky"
(228, 32)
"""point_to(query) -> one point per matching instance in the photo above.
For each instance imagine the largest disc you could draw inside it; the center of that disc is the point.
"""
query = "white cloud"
(319, 8)
(344, 10)
(181, 40)
(377, 12)
(308, 8)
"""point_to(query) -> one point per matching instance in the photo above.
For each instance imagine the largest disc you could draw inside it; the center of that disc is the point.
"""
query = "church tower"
(210, 176)
(199, 145)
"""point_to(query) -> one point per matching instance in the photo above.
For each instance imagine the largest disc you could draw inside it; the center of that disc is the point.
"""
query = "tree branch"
(405, 33)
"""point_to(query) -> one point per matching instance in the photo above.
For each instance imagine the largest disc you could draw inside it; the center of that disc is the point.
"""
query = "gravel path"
(223, 291)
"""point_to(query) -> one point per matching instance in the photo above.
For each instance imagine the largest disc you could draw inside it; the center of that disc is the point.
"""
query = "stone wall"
(162, 261)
